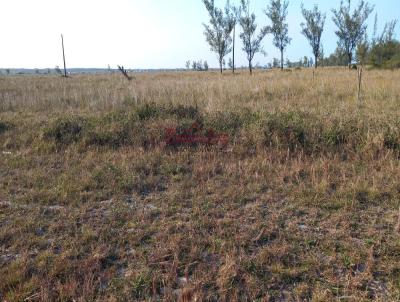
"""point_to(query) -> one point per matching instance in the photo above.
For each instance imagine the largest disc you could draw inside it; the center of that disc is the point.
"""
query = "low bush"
(184, 112)
(305, 132)
(66, 130)
(231, 122)
(392, 139)
(4, 126)
(289, 131)
(149, 111)
(294, 131)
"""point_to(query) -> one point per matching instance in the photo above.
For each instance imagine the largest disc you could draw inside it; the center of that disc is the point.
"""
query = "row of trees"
(382, 50)
(220, 32)
(197, 65)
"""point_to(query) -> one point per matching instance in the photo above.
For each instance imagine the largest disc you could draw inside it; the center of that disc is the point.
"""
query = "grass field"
(302, 205)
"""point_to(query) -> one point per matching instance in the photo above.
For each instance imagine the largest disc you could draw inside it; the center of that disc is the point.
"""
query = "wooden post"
(233, 49)
(360, 72)
(65, 66)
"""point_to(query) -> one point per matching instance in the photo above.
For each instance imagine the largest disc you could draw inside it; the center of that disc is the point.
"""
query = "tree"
(338, 58)
(199, 65)
(205, 65)
(305, 61)
(385, 50)
(187, 64)
(230, 64)
(251, 42)
(58, 70)
(277, 13)
(194, 65)
(313, 29)
(351, 27)
(233, 14)
(218, 31)
(321, 56)
(362, 50)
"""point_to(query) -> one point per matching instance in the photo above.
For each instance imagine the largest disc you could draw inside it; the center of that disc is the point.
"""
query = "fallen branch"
(125, 73)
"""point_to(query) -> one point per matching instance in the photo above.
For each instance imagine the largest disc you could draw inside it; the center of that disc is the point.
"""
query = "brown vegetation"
(301, 205)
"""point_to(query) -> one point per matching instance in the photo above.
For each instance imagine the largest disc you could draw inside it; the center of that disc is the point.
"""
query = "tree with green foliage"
(277, 13)
(251, 41)
(338, 58)
(385, 50)
(351, 26)
(321, 56)
(313, 29)
(218, 32)
(233, 13)
(362, 50)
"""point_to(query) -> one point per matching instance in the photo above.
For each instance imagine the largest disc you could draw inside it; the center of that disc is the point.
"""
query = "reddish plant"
(194, 135)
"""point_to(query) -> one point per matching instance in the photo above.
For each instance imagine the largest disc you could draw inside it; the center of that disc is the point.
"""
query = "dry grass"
(303, 205)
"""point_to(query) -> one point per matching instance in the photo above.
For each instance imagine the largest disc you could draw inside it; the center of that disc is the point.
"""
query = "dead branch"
(125, 73)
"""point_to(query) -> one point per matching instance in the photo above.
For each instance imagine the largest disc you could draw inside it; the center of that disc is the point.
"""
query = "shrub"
(184, 112)
(287, 130)
(66, 130)
(391, 140)
(148, 111)
(231, 122)
(342, 133)
(4, 126)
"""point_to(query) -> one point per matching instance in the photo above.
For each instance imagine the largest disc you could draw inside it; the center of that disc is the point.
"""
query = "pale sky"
(140, 33)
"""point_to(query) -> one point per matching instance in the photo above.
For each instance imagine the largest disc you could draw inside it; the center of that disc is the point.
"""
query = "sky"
(142, 33)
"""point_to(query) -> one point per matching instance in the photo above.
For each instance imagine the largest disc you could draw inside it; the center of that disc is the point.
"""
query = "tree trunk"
(220, 66)
(250, 68)
(281, 59)
(316, 61)
(233, 50)
(350, 56)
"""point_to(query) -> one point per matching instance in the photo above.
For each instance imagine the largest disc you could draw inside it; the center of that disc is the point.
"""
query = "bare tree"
(251, 42)
(351, 26)
(218, 32)
(313, 29)
(277, 13)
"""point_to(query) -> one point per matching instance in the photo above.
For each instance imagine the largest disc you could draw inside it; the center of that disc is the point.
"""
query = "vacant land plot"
(302, 204)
